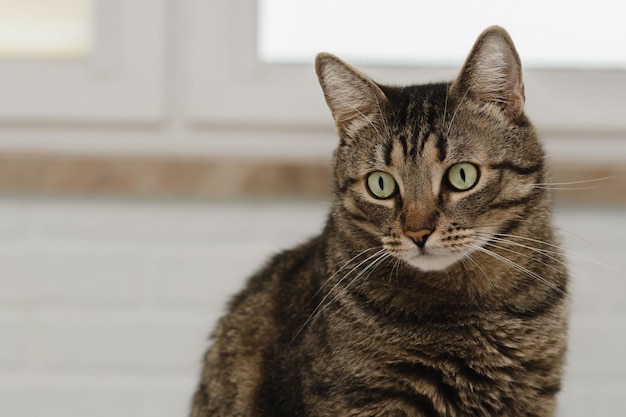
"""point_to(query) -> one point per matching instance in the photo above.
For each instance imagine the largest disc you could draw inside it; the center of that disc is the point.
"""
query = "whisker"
(396, 268)
(373, 265)
(344, 277)
(530, 256)
(468, 257)
(545, 252)
(564, 250)
(321, 303)
(399, 263)
(458, 107)
(556, 249)
(561, 186)
(384, 119)
(554, 188)
(576, 182)
(445, 105)
(520, 268)
(568, 252)
(342, 268)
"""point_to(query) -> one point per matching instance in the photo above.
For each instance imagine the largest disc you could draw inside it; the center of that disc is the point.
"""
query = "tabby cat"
(436, 288)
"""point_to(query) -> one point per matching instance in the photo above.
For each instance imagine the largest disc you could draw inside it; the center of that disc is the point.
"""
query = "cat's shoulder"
(284, 268)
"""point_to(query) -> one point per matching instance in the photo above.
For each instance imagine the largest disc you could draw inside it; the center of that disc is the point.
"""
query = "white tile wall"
(105, 305)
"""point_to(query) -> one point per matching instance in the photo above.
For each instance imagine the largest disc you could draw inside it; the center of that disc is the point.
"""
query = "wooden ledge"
(202, 178)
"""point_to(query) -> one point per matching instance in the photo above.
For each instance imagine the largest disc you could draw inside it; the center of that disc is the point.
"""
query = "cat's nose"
(419, 237)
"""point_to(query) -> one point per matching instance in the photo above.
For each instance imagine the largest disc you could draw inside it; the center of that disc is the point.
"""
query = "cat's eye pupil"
(462, 176)
(381, 185)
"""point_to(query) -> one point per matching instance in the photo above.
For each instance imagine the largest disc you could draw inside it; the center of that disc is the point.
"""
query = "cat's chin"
(433, 262)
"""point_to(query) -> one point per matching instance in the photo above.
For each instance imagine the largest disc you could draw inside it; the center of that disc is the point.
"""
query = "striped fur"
(369, 320)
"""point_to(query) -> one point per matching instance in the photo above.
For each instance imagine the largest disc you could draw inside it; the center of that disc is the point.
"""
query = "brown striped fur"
(432, 302)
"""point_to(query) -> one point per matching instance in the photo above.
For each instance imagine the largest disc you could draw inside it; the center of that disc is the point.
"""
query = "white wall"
(105, 306)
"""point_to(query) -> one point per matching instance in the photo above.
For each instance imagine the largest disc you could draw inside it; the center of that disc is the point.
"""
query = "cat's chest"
(382, 339)
(474, 343)
(455, 367)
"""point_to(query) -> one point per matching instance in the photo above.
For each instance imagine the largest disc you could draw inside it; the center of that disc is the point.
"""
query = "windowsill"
(229, 176)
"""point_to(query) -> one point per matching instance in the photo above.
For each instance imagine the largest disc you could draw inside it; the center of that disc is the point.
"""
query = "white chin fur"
(430, 262)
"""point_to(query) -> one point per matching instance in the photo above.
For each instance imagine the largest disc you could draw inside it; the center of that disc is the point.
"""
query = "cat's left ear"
(353, 99)
(492, 73)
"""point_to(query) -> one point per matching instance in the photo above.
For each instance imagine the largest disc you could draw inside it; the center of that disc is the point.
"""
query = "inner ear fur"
(492, 73)
(353, 98)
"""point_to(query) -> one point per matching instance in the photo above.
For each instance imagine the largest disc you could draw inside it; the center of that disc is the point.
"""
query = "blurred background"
(153, 153)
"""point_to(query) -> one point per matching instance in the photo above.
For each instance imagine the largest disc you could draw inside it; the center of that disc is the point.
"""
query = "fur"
(434, 301)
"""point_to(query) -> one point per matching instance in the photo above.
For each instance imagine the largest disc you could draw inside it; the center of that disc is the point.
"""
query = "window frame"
(233, 87)
(121, 81)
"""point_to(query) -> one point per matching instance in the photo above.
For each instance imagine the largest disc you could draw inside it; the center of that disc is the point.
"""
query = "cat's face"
(432, 173)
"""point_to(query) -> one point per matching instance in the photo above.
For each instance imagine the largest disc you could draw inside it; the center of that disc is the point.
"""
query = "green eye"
(462, 176)
(381, 185)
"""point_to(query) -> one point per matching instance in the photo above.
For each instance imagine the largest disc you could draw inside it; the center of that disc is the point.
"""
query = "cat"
(437, 287)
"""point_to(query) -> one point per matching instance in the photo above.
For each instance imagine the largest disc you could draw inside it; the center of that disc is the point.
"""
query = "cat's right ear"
(353, 99)
(492, 73)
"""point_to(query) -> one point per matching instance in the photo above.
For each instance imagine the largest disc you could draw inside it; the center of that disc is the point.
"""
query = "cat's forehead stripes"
(416, 117)
(389, 147)
(429, 146)
(442, 146)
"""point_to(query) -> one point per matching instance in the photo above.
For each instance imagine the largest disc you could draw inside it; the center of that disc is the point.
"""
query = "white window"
(557, 34)
(68, 61)
(45, 29)
(237, 75)
(253, 63)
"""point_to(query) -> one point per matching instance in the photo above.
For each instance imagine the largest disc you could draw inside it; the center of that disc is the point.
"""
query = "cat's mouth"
(429, 259)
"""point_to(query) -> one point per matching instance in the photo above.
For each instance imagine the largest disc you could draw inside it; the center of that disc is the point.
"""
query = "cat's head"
(433, 172)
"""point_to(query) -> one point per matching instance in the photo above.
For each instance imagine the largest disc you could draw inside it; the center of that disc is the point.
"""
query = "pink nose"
(419, 237)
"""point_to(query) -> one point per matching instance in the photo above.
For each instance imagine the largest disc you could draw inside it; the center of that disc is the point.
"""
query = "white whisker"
(371, 267)
(549, 187)
(384, 120)
(577, 182)
(468, 257)
(566, 251)
(530, 256)
(342, 268)
(458, 107)
(396, 268)
(322, 303)
(520, 268)
(559, 186)
(559, 249)
(546, 252)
